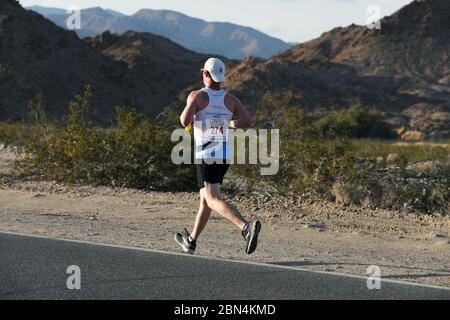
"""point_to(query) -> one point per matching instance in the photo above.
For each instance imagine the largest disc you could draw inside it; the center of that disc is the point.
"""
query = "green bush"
(357, 122)
(13, 133)
(322, 161)
(316, 159)
(310, 161)
(412, 152)
(136, 153)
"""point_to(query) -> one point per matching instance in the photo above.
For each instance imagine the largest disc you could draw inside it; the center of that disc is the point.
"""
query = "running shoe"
(250, 234)
(182, 238)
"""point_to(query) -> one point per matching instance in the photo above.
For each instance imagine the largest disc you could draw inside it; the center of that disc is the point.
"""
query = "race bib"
(216, 130)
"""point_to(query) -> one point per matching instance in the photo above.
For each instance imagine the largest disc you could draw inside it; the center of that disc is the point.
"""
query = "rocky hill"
(143, 71)
(164, 68)
(402, 69)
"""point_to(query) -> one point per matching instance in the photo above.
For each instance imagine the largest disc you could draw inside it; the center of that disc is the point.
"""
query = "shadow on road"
(429, 272)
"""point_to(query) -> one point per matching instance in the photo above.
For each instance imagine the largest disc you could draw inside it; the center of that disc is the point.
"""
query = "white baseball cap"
(216, 69)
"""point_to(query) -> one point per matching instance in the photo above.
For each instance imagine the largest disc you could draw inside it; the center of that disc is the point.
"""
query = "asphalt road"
(35, 268)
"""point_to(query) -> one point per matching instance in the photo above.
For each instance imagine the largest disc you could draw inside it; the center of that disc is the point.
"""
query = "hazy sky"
(290, 20)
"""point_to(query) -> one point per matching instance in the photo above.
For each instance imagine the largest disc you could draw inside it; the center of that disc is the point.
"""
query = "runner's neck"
(215, 87)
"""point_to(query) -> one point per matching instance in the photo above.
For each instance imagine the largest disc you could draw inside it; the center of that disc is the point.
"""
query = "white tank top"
(211, 128)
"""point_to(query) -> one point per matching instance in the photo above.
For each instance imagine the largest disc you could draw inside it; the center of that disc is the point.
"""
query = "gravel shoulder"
(320, 236)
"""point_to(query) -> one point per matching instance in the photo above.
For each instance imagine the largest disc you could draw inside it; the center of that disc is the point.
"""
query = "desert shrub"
(310, 160)
(323, 162)
(412, 152)
(412, 177)
(315, 160)
(136, 153)
(349, 193)
(357, 122)
(13, 133)
(398, 189)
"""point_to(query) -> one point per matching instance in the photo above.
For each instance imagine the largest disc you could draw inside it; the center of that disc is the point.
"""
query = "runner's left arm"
(241, 119)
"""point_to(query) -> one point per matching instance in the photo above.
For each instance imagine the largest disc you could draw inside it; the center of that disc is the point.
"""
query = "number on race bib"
(216, 130)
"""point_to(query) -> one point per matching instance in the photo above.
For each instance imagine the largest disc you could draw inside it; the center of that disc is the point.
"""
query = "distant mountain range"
(217, 38)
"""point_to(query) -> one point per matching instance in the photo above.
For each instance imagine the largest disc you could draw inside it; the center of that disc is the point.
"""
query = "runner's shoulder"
(199, 96)
(231, 100)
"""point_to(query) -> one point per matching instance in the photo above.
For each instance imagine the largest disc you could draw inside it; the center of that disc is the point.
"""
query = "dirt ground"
(315, 235)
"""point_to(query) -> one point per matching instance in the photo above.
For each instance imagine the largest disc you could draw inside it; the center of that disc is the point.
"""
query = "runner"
(214, 112)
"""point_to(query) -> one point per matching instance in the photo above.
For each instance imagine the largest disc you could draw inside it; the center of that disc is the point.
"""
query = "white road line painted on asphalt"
(260, 264)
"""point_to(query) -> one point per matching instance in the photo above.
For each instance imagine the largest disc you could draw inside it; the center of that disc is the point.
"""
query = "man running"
(214, 111)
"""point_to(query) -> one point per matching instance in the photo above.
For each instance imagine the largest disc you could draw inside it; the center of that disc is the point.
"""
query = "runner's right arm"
(187, 117)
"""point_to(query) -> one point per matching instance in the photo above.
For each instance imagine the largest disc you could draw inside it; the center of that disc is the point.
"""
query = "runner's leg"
(203, 215)
(214, 201)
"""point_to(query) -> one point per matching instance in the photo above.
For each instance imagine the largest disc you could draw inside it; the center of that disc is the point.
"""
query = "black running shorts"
(211, 173)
